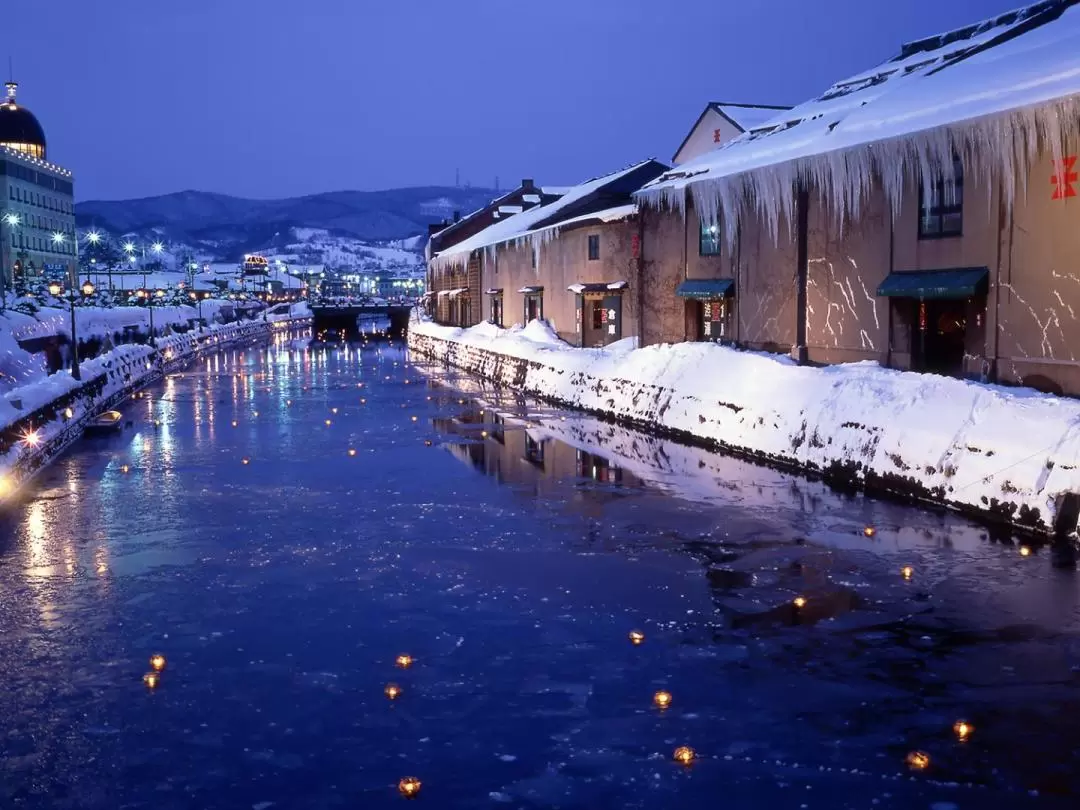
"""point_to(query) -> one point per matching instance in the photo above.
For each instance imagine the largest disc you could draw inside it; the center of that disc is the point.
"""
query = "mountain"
(225, 224)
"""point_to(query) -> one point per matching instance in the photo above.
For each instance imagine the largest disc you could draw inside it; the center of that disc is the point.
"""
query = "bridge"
(346, 319)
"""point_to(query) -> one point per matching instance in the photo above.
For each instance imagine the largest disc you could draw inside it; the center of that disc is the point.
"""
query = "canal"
(282, 522)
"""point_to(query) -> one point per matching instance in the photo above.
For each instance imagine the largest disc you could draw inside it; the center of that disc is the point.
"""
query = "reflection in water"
(282, 589)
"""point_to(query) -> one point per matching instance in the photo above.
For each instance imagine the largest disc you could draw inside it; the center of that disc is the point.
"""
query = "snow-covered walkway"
(1011, 453)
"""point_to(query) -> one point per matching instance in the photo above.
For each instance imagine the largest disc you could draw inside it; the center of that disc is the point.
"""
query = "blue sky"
(270, 98)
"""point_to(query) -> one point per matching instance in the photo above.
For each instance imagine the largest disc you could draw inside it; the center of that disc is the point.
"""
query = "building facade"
(37, 207)
(956, 259)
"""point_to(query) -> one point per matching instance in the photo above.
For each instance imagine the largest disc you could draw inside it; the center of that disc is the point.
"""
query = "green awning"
(962, 282)
(706, 288)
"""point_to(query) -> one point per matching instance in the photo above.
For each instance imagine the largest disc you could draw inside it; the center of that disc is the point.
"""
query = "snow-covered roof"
(748, 116)
(985, 92)
(524, 225)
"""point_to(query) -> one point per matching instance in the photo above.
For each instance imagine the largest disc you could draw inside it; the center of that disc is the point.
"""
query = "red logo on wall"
(716, 136)
(1064, 179)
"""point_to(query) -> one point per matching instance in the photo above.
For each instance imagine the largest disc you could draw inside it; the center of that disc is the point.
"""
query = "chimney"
(457, 216)
(527, 184)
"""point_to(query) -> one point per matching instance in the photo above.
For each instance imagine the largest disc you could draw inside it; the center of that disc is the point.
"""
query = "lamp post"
(194, 296)
(148, 296)
(56, 290)
(12, 221)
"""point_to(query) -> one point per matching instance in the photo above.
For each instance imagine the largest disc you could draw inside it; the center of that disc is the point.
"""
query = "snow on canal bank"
(1009, 453)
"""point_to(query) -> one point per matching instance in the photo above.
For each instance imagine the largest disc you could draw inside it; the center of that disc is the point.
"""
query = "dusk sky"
(269, 98)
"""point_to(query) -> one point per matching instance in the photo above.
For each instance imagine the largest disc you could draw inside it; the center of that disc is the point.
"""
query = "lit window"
(709, 240)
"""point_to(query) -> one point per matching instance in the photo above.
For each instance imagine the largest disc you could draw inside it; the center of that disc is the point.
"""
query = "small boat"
(106, 422)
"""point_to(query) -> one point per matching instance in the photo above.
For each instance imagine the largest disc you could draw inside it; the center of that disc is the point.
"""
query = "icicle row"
(997, 148)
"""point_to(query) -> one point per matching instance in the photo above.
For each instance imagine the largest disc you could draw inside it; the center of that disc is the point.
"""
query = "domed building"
(37, 207)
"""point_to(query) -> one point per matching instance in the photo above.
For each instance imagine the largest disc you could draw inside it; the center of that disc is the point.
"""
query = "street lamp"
(56, 290)
(194, 296)
(12, 221)
(145, 295)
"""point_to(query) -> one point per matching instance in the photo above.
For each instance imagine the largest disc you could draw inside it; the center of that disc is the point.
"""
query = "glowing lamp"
(88, 287)
(328, 423)
(157, 662)
(427, 442)
(151, 679)
(799, 602)
(352, 451)
(392, 691)
(907, 572)
(918, 760)
(409, 787)
(413, 418)
(68, 413)
(55, 288)
(1025, 551)
(869, 531)
(245, 461)
(404, 661)
(124, 468)
(32, 439)
(963, 730)
(333, 411)
(288, 402)
(235, 423)
(636, 637)
(662, 699)
(363, 401)
(684, 755)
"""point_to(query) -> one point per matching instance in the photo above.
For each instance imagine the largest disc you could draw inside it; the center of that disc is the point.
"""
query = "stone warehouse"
(924, 214)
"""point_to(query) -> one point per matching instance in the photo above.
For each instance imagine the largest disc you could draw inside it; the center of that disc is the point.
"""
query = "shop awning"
(597, 287)
(493, 291)
(961, 282)
(531, 290)
(705, 289)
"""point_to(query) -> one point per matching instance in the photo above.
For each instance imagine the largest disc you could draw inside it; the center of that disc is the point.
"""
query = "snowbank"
(1010, 453)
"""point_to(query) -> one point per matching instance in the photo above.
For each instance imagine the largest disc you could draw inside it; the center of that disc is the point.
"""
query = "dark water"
(509, 548)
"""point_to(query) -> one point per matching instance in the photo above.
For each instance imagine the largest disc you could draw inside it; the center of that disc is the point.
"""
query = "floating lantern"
(662, 699)
(404, 661)
(918, 760)
(352, 451)
(636, 637)
(799, 602)
(151, 679)
(869, 531)
(392, 691)
(409, 787)
(907, 572)
(157, 662)
(963, 730)
(684, 755)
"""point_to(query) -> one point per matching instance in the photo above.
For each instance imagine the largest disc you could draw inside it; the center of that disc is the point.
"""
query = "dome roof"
(18, 126)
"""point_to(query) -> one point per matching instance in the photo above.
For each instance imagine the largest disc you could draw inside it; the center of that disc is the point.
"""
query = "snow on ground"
(1007, 451)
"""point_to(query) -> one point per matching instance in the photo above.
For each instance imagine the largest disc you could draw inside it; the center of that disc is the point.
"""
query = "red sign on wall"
(717, 137)
(635, 246)
(1064, 179)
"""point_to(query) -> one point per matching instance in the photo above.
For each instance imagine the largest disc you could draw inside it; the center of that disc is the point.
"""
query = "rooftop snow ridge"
(974, 29)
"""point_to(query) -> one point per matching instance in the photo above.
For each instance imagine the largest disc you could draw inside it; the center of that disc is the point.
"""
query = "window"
(532, 256)
(594, 247)
(941, 211)
(709, 240)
